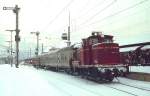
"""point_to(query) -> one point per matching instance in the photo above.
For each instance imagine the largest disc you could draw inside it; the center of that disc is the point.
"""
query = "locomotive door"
(90, 55)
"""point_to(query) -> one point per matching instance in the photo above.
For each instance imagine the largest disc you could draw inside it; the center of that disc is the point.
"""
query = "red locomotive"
(97, 57)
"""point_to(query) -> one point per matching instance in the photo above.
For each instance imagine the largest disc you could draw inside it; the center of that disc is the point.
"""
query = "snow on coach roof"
(131, 47)
(128, 49)
(146, 47)
(134, 48)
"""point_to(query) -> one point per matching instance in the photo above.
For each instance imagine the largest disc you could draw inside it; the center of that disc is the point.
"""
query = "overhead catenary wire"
(114, 14)
(92, 17)
(124, 18)
(110, 4)
(99, 3)
(122, 11)
(3, 46)
(64, 8)
(91, 9)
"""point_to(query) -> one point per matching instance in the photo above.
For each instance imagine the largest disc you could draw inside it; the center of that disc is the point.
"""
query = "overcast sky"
(127, 20)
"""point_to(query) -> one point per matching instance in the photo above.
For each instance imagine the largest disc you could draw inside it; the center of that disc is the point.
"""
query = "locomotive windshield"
(106, 40)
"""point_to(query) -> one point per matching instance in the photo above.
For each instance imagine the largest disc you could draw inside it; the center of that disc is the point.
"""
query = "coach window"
(64, 57)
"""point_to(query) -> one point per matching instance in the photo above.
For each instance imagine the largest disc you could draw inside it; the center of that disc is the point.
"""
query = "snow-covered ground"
(28, 81)
(143, 69)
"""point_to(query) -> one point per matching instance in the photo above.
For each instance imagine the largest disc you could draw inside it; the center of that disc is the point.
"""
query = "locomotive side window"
(93, 41)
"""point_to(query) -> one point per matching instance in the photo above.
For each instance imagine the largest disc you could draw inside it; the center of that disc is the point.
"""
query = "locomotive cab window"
(93, 41)
(108, 39)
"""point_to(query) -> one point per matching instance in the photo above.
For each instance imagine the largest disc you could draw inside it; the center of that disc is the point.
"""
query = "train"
(97, 57)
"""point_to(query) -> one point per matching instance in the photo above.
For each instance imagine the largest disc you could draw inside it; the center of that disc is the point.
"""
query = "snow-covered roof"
(134, 48)
(128, 49)
(50, 51)
(146, 47)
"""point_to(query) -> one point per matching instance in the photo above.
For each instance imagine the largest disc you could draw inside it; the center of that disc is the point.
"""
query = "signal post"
(17, 38)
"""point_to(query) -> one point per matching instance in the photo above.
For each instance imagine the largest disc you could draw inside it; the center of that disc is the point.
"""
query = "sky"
(127, 20)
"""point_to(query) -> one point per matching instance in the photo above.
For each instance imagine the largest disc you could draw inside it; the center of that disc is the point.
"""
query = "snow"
(141, 84)
(142, 69)
(145, 47)
(23, 81)
(126, 49)
(28, 81)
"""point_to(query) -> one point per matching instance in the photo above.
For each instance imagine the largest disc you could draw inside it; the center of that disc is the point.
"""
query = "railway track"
(98, 93)
(67, 83)
(127, 85)
(122, 84)
(121, 90)
(89, 90)
(132, 86)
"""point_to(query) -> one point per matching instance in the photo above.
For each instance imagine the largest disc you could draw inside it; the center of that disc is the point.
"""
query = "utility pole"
(66, 36)
(68, 43)
(42, 48)
(17, 38)
(30, 53)
(11, 49)
(37, 47)
(8, 51)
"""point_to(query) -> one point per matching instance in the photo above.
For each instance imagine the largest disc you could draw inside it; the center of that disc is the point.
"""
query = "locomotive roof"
(101, 36)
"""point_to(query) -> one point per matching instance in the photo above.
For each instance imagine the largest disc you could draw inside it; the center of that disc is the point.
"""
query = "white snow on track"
(28, 81)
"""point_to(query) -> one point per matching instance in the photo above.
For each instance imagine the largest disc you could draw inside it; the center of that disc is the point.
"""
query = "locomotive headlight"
(112, 73)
